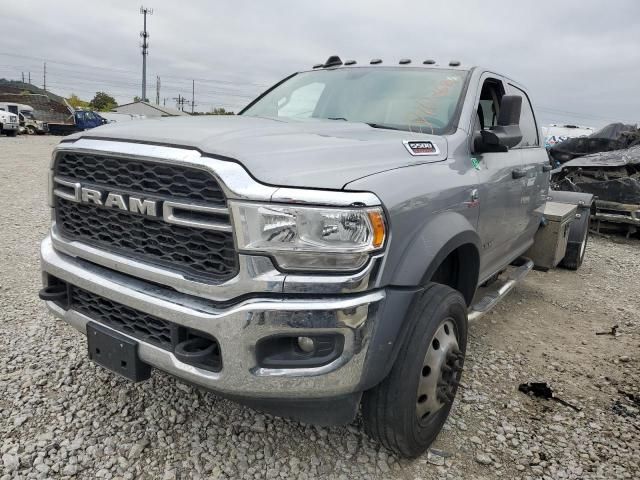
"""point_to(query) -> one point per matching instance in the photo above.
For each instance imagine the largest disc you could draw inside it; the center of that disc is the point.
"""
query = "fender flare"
(434, 242)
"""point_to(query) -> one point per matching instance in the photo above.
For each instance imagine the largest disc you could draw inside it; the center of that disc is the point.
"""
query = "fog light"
(306, 344)
(282, 351)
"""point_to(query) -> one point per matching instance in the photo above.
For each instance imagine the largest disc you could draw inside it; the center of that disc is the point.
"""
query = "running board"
(500, 288)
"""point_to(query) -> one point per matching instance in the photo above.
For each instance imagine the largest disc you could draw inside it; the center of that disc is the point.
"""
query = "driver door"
(501, 184)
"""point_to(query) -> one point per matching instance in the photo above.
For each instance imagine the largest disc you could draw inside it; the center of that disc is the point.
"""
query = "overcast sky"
(579, 59)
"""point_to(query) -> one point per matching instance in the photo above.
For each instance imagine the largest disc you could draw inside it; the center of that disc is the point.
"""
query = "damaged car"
(612, 176)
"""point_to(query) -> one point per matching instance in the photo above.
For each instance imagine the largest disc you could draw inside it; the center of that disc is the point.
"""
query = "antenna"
(145, 50)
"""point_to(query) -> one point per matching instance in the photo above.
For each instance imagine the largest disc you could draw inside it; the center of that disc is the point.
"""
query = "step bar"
(514, 275)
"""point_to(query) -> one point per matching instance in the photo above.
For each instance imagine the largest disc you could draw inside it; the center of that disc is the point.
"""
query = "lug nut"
(306, 344)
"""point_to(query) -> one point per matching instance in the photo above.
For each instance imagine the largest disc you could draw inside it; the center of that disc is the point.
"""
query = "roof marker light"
(375, 61)
(454, 63)
(429, 62)
(332, 61)
(350, 62)
(405, 61)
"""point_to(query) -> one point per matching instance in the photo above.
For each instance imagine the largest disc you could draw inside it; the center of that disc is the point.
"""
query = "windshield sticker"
(427, 116)
(418, 148)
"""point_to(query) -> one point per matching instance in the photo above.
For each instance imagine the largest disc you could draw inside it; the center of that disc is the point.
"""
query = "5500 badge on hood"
(418, 148)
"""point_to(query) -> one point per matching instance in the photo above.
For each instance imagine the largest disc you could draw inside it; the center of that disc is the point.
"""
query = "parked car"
(78, 121)
(30, 125)
(9, 124)
(319, 253)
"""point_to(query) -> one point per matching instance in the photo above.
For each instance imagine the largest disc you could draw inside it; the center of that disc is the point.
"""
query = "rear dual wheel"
(408, 409)
(574, 254)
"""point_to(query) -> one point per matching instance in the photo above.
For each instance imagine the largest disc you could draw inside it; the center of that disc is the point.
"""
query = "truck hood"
(301, 153)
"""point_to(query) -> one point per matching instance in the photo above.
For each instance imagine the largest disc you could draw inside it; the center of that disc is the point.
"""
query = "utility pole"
(29, 77)
(157, 89)
(22, 77)
(44, 75)
(193, 95)
(145, 51)
(180, 101)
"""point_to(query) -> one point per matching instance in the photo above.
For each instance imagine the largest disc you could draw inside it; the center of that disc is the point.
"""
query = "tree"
(139, 99)
(103, 102)
(220, 111)
(76, 102)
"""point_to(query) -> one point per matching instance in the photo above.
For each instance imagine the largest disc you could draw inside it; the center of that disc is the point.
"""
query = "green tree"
(139, 99)
(103, 102)
(76, 102)
(220, 111)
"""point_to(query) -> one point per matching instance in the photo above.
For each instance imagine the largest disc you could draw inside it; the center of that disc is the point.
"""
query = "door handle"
(518, 173)
(547, 168)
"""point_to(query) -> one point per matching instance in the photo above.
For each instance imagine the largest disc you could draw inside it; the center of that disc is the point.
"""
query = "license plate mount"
(116, 352)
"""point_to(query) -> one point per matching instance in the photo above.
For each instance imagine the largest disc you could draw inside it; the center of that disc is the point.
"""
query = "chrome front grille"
(192, 236)
(151, 178)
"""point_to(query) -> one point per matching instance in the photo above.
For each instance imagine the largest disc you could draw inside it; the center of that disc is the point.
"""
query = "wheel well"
(459, 270)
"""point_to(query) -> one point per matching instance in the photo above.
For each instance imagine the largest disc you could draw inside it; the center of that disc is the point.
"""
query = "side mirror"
(506, 134)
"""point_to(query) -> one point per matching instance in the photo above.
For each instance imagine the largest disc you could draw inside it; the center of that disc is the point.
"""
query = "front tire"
(407, 410)
(11, 133)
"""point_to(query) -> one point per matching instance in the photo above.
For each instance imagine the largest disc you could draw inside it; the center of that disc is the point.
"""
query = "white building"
(148, 110)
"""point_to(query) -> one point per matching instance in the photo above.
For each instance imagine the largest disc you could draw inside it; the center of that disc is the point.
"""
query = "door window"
(489, 104)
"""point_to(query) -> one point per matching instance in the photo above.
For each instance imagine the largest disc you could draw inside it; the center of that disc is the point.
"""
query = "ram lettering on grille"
(129, 207)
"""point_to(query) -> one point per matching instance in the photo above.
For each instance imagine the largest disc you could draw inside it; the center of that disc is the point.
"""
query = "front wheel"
(11, 133)
(31, 130)
(407, 410)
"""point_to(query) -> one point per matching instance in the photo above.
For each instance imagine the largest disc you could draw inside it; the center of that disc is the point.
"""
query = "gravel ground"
(61, 416)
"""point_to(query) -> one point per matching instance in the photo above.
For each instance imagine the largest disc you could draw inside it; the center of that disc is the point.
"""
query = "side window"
(528, 124)
(302, 102)
(489, 104)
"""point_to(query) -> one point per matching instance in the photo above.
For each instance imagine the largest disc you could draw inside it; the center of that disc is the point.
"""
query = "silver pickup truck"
(318, 254)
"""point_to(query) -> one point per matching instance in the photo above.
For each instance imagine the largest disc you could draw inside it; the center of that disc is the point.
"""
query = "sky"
(580, 60)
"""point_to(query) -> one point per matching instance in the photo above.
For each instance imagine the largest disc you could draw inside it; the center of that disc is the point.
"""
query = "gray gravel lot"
(61, 416)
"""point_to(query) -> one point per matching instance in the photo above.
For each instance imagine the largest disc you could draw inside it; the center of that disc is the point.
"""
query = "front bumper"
(237, 329)
(10, 126)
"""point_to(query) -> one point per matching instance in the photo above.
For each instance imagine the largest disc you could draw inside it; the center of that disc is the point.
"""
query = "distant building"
(148, 110)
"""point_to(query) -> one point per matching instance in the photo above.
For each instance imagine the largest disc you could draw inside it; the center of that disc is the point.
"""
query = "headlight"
(309, 238)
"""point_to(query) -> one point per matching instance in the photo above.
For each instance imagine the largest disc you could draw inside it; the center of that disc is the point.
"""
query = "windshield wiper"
(380, 125)
(337, 118)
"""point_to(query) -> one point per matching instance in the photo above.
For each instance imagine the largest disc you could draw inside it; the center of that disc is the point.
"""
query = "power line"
(112, 69)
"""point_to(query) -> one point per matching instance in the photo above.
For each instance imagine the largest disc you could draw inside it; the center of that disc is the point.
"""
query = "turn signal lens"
(377, 224)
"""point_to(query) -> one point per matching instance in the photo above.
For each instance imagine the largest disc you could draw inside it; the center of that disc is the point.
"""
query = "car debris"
(544, 390)
(615, 136)
(613, 332)
(555, 133)
(607, 165)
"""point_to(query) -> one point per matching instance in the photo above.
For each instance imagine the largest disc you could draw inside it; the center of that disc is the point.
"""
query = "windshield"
(413, 99)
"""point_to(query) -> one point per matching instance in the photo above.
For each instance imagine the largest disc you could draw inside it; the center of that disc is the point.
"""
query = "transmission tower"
(145, 50)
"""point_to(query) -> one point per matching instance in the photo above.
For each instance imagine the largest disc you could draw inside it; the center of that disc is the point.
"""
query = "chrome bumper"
(236, 328)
